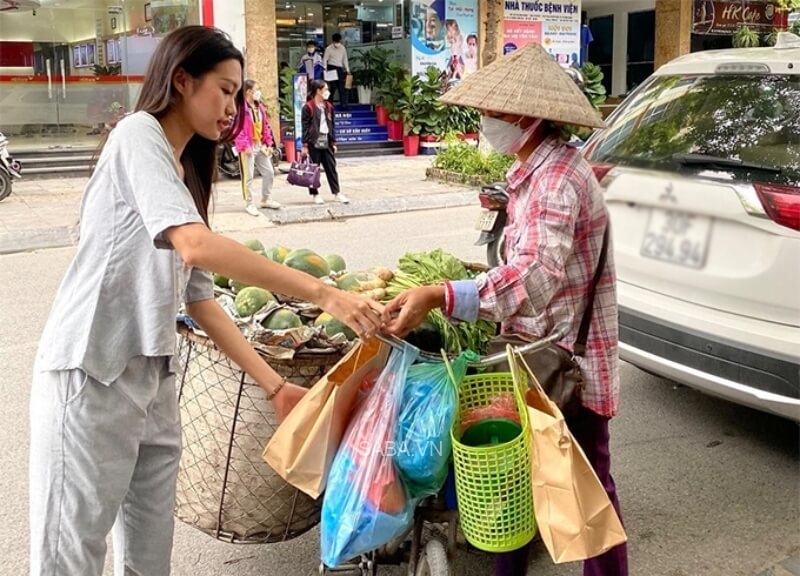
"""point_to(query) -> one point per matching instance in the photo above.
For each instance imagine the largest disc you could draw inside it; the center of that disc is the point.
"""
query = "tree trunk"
(493, 32)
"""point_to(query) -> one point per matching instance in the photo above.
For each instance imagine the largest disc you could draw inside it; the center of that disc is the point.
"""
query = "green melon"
(332, 326)
(282, 319)
(252, 299)
(221, 281)
(277, 253)
(307, 261)
(336, 263)
(254, 245)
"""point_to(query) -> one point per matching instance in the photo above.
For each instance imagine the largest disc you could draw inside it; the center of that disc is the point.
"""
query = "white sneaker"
(271, 204)
(252, 210)
(342, 198)
(318, 200)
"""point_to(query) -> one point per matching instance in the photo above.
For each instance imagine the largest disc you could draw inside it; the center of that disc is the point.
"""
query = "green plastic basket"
(493, 481)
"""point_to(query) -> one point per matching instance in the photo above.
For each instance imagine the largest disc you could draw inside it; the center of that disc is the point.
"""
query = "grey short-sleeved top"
(122, 291)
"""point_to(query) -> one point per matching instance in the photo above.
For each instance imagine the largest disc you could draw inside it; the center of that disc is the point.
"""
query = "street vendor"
(555, 237)
(105, 425)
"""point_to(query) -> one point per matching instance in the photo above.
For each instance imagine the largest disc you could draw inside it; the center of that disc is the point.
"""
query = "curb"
(42, 239)
(60, 237)
(336, 211)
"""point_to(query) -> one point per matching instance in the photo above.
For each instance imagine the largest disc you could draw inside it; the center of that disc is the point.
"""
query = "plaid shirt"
(557, 218)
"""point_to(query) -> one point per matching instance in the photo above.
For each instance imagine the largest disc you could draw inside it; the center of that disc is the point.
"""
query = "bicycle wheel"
(433, 560)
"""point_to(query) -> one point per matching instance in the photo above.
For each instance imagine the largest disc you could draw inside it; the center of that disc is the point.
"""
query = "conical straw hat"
(527, 82)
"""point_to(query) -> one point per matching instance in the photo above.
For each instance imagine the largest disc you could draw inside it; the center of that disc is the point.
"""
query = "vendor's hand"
(286, 399)
(363, 315)
(410, 308)
(304, 151)
(335, 148)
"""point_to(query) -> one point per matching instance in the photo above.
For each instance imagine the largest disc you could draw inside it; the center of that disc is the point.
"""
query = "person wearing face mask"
(557, 240)
(311, 62)
(254, 145)
(335, 58)
(319, 140)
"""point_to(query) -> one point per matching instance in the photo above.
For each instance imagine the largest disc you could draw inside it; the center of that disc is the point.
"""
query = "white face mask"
(326, 94)
(257, 95)
(505, 137)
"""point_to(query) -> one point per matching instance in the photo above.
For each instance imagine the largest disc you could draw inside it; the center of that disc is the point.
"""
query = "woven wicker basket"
(224, 486)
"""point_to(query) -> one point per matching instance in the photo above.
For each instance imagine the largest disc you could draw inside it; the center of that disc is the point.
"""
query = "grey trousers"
(103, 458)
(256, 160)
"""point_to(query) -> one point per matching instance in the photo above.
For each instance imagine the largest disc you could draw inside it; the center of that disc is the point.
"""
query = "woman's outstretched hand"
(363, 315)
(410, 308)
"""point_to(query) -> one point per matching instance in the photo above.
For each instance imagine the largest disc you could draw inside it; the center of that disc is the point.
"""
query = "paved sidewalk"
(44, 213)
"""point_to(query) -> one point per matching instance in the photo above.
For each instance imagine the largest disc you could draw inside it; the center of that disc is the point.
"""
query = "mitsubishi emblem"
(667, 195)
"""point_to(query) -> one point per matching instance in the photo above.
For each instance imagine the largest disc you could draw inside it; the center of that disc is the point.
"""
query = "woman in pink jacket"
(254, 145)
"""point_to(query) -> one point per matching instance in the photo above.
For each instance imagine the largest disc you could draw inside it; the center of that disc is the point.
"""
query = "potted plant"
(745, 37)
(370, 70)
(386, 90)
(390, 95)
(286, 111)
(409, 108)
(432, 114)
(462, 121)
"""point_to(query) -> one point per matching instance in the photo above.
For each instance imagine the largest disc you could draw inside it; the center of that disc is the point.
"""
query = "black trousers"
(325, 158)
(338, 85)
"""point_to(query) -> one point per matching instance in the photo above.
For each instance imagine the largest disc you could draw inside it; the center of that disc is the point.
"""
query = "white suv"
(701, 167)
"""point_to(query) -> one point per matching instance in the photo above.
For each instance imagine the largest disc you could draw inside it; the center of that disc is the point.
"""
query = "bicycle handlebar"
(557, 334)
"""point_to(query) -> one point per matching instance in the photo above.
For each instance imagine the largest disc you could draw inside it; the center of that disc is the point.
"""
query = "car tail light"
(781, 203)
(601, 172)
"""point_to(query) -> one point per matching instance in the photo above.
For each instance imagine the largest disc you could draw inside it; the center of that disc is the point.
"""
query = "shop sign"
(725, 17)
(444, 34)
(556, 26)
(299, 93)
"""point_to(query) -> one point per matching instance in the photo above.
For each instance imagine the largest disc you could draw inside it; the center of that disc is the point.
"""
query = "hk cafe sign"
(725, 17)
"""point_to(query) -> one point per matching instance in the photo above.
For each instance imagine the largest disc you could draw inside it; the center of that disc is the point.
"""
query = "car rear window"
(752, 118)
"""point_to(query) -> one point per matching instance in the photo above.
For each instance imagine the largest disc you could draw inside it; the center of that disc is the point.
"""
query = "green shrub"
(466, 159)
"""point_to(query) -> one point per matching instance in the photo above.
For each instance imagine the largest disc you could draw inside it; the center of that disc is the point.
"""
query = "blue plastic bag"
(423, 426)
(366, 503)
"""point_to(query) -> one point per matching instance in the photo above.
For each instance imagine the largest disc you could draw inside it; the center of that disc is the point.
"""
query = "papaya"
(348, 282)
(252, 299)
(307, 261)
(359, 281)
(332, 326)
(282, 319)
(336, 263)
(277, 253)
(221, 281)
(254, 245)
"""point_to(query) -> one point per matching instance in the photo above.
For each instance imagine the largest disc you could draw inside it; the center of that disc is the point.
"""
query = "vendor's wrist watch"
(271, 395)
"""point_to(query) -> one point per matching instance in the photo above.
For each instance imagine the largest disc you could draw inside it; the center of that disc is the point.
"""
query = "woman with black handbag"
(319, 138)
(559, 267)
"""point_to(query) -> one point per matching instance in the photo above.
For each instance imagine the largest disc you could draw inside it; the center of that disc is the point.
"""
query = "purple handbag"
(304, 173)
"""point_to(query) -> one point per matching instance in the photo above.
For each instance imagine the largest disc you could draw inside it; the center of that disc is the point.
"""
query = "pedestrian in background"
(311, 62)
(319, 140)
(105, 439)
(336, 59)
(255, 144)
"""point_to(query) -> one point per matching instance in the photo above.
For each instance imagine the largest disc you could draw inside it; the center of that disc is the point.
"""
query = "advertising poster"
(444, 34)
(299, 92)
(555, 25)
(726, 16)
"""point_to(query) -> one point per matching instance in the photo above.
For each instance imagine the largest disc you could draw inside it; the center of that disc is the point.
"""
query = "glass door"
(62, 72)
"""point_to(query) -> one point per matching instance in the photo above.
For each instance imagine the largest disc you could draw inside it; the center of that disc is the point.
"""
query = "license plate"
(487, 220)
(677, 237)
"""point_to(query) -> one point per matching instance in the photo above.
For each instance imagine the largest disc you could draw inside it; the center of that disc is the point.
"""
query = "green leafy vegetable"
(426, 268)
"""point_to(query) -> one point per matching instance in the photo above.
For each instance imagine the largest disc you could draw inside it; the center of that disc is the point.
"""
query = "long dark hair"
(197, 50)
(314, 86)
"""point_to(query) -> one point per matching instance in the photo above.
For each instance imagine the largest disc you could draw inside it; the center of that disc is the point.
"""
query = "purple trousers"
(590, 430)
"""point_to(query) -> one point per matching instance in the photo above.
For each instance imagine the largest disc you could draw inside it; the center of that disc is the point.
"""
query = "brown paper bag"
(575, 517)
(302, 449)
(348, 82)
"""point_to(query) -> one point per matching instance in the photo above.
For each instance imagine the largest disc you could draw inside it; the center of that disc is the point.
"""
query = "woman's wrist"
(274, 390)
